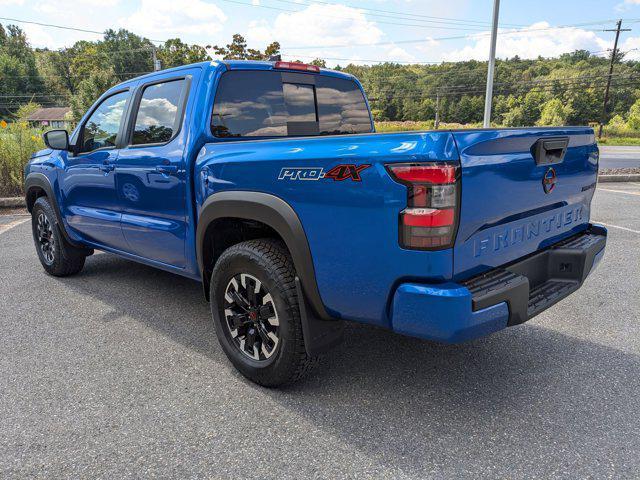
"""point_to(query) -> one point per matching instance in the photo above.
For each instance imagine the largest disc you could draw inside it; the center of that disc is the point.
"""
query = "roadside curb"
(12, 202)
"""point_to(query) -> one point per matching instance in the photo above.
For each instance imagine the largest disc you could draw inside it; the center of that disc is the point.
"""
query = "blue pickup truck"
(266, 182)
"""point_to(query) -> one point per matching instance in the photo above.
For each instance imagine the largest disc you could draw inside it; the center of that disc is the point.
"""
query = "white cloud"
(626, 5)
(395, 53)
(156, 111)
(322, 25)
(65, 7)
(172, 18)
(529, 43)
(631, 48)
(39, 36)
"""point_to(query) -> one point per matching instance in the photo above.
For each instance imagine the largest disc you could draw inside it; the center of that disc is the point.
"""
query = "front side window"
(158, 115)
(101, 129)
(261, 104)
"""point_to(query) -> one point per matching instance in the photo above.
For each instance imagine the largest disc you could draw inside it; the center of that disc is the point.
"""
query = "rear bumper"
(510, 295)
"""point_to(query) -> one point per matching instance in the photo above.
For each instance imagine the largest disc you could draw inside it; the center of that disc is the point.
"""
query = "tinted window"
(158, 117)
(341, 107)
(250, 104)
(101, 129)
(300, 101)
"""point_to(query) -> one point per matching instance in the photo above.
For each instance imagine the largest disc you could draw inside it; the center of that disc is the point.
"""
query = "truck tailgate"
(508, 210)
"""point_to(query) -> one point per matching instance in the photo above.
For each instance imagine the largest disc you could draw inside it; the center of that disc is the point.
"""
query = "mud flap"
(320, 336)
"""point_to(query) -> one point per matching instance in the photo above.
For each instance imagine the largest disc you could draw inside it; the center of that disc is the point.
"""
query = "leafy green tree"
(515, 117)
(127, 53)
(20, 80)
(175, 52)
(89, 90)
(237, 50)
(554, 113)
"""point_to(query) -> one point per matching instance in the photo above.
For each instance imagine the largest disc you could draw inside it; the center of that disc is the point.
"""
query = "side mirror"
(56, 139)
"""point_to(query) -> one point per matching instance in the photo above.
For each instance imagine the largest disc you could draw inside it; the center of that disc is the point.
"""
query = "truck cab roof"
(228, 65)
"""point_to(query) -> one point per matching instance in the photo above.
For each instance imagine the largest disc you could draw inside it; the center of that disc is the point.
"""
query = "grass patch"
(619, 141)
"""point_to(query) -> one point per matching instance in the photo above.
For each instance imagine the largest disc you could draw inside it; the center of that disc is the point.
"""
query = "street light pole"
(492, 65)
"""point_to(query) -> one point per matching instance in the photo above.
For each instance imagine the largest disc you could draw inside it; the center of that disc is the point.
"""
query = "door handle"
(167, 169)
(107, 167)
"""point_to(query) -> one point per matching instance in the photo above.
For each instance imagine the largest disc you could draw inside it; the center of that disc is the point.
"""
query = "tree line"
(568, 89)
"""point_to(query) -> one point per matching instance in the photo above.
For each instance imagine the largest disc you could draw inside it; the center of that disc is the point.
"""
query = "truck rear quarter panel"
(351, 226)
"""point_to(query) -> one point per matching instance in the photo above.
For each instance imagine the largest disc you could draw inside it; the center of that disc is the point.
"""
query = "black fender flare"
(277, 214)
(41, 181)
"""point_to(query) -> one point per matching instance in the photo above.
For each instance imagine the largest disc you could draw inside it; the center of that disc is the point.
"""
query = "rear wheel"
(254, 304)
(57, 256)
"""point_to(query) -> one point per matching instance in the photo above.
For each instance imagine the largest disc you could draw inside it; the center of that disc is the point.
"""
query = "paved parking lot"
(116, 373)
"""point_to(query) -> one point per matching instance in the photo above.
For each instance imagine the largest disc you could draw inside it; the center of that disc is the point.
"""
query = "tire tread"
(272, 256)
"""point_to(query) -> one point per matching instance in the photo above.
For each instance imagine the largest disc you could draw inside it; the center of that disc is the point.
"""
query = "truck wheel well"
(32, 195)
(223, 233)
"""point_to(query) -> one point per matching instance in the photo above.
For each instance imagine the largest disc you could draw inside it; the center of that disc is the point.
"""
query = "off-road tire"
(60, 258)
(268, 261)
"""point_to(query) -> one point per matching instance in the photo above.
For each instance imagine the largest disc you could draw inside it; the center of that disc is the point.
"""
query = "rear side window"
(158, 118)
(275, 104)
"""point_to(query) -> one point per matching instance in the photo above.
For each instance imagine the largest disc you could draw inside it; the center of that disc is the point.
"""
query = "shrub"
(634, 116)
(17, 143)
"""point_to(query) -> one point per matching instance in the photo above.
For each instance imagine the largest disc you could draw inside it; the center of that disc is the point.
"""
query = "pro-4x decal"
(338, 173)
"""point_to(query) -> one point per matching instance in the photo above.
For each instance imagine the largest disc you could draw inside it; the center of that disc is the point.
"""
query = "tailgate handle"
(547, 151)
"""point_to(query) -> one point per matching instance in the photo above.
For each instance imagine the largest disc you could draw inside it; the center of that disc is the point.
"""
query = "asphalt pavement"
(116, 373)
(619, 157)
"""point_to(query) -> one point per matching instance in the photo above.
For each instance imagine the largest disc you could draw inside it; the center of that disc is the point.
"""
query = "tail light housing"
(430, 220)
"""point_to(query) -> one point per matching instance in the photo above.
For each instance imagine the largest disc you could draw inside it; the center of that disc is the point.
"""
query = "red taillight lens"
(305, 67)
(430, 220)
(427, 173)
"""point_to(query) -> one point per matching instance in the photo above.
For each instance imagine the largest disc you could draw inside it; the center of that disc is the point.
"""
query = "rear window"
(280, 104)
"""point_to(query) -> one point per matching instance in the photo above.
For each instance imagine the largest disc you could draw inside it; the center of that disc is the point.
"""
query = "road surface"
(619, 157)
(116, 373)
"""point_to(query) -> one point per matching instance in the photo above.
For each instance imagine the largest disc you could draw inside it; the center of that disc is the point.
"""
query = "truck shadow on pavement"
(520, 397)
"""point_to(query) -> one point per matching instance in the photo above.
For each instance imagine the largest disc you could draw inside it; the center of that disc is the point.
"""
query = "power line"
(399, 16)
(456, 37)
(403, 15)
(258, 5)
(62, 27)
(478, 91)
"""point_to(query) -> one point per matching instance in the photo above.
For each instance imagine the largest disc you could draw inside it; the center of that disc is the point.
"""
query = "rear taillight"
(429, 222)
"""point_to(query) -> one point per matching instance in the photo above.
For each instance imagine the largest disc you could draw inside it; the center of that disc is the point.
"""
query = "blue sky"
(347, 30)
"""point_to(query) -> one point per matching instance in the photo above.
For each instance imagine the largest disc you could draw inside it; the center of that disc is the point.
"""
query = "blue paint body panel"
(351, 227)
(443, 313)
(361, 271)
(505, 213)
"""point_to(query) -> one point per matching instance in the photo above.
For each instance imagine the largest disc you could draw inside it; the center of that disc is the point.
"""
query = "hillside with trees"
(545, 91)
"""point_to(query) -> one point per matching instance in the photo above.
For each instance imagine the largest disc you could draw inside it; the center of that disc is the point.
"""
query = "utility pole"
(437, 122)
(614, 54)
(156, 63)
(492, 65)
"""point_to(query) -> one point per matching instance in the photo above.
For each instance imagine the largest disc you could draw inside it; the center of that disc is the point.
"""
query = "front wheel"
(255, 308)
(57, 256)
